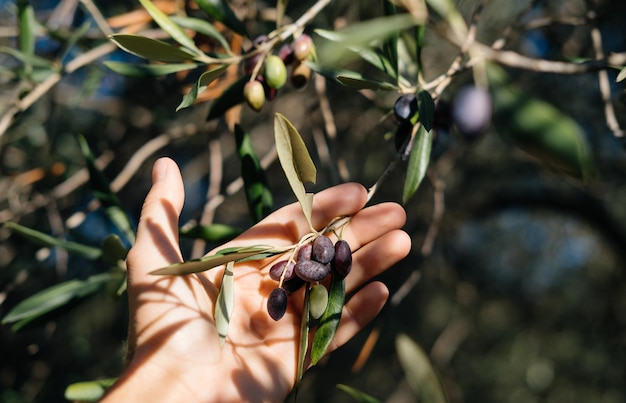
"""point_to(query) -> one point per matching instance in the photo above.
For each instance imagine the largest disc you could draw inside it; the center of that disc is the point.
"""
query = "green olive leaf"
(147, 70)
(281, 6)
(621, 75)
(329, 320)
(304, 335)
(221, 257)
(88, 391)
(419, 372)
(53, 298)
(40, 238)
(296, 162)
(366, 84)
(357, 395)
(258, 194)
(210, 233)
(448, 11)
(426, 108)
(203, 81)
(202, 27)
(169, 26)
(225, 302)
(113, 250)
(151, 49)
(221, 11)
(418, 163)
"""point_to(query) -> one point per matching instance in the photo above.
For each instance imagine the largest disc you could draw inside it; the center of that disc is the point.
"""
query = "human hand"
(174, 348)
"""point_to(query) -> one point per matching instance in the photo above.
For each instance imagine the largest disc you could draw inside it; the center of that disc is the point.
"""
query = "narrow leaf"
(27, 27)
(109, 200)
(211, 233)
(419, 371)
(88, 391)
(366, 84)
(255, 183)
(357, 395)
(622, 75)
(220, 10)
(225, 302)
(202, 27)
(169, 26)
(232, 96)
(304, 335)
(113, 250)
(151, 49)
(390, 45)
(281, 6)
(29, 59)
(53, 298)
(426, 109)
(329, 320)
(221, 257)
(148, 70)
(43, 239)
(295, 161)
(418, 163)
(205, 79)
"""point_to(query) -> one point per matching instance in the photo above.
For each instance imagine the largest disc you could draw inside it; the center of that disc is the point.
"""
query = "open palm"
(174, 348)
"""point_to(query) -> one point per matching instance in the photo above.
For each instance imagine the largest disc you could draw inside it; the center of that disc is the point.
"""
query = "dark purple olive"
(277, 303)
(342, 263)
(311, 271)
(286, 54)
(403, 132)
(304, 253)
(323, 250)
(276, 271)
(471, 112)
(293, 285)
(405, 107)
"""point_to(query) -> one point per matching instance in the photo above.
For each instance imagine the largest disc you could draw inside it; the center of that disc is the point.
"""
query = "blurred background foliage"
(517, 293)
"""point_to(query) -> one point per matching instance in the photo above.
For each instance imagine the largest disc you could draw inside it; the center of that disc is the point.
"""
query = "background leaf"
(357, 395)
(419, 372)
(203, 81)
(258, 194)
(170, 26)
(330, 319)
(151, 49)
(225, 302)
(295, 161)
(220, 10)
(418, 163)
(366, 84)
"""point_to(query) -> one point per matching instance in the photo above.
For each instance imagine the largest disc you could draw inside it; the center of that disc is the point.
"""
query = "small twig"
(101, 22)
(438, 212)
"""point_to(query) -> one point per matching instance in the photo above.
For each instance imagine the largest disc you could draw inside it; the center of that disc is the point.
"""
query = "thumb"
(156, 245)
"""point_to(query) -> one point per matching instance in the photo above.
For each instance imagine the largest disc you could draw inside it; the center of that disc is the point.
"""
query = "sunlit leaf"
(361, 36)
(295, 161)
(232, 96)
(366, 84)
(202, 27)
(304, 335)
(169, 26)
(221, 11)
(622, 75)
(88, 391)
(53, 298)
(418, 163)
(225, 302)
(148, 70)
(234, 254)
(109, 200)
(330, 319)
(258, 194)
(205, 79)
(151, 49)
(540, 129)
(357, 395)
(210, 233)
(40, 238)
(426, 108)
(419, 372)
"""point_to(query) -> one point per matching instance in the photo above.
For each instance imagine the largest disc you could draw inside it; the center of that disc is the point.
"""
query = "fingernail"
(159, 170)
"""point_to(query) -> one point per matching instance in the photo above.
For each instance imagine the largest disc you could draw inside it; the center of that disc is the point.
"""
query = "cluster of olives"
(273, 75)
(314, 262)
(469, 113)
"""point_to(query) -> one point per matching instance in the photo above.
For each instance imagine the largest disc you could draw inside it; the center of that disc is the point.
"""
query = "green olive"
(254, 94)
(275, 72)
(318, 300)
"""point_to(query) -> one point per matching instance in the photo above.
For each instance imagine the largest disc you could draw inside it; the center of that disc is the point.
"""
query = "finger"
(376, 257)
(358, 312)
(156, 245)
(373, 222)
